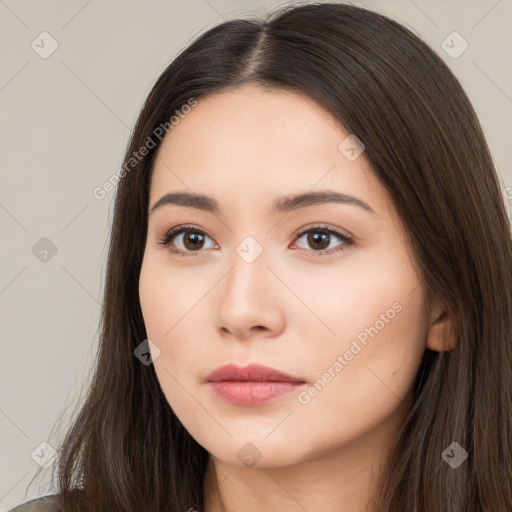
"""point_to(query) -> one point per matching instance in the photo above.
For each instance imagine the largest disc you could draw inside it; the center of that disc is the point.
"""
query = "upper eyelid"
(324, 227)
(320, 226)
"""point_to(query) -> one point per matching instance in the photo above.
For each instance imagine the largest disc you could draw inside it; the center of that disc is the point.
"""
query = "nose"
(250, 301)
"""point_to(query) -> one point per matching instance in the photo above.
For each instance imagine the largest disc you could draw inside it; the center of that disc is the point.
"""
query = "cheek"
(170, 291)
(173, 317)
(367, 292)
(166, 324)
(364, 373)
(151, 300)
(370, 357)
(165, 295)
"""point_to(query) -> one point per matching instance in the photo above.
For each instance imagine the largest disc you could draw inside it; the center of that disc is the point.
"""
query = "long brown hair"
(128, 451)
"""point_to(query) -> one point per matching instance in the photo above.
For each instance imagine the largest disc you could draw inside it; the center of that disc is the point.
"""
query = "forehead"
(253, 143)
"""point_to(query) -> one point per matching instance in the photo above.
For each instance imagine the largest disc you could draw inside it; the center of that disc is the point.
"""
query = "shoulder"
(42, 504)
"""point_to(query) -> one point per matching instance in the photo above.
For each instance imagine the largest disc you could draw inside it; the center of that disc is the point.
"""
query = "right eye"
(191, 242)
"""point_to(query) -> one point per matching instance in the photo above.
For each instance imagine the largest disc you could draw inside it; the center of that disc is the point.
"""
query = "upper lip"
(251, 372)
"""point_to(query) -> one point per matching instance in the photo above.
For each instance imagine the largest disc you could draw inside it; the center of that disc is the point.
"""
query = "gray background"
(65, 122)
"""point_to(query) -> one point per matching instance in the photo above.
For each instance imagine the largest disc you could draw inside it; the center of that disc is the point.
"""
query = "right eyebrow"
(197, 201)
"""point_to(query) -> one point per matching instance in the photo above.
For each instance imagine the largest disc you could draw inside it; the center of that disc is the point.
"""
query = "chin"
(255, 452)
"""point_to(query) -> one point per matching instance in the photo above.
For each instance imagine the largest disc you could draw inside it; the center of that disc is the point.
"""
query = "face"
(324, 290)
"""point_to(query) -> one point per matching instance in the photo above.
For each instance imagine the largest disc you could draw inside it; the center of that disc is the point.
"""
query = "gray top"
(42, 504)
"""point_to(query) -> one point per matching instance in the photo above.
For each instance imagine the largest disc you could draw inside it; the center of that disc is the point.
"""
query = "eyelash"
(320, 228)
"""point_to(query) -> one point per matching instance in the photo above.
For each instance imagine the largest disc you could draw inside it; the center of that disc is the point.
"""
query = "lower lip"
(251, 392)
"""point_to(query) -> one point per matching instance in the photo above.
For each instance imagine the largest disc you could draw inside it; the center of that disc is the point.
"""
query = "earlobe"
(441, 335)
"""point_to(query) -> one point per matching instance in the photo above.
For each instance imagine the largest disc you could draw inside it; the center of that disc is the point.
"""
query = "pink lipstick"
(251, 385)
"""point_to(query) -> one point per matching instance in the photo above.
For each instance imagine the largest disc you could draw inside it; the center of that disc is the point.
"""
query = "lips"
(253, 372)
(251, 385)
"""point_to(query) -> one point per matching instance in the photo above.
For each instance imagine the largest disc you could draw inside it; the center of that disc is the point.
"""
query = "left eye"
(321, 237)
(193, 239)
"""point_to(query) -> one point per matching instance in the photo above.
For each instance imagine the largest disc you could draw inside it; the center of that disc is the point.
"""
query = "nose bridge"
(248, 299)
(248, 275)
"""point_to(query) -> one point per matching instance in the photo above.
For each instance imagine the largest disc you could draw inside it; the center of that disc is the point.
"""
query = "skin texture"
(292, 309)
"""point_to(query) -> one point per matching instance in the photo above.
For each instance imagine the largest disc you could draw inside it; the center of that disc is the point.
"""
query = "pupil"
(194, 239)
(318, 238)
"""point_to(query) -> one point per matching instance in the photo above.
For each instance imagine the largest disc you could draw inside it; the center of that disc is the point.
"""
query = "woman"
(308, 301)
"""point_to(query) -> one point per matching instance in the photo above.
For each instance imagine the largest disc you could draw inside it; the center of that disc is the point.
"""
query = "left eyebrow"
(282, 205)
(290, 203)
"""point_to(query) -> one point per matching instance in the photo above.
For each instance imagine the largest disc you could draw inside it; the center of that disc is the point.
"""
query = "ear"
(441, 335)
